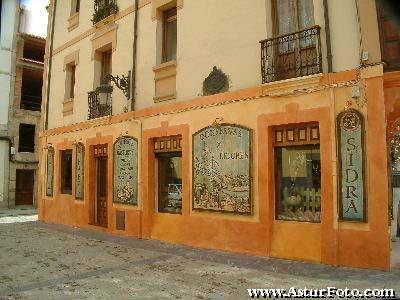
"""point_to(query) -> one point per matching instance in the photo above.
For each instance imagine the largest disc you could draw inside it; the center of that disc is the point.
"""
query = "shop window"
(297, 173)
(26, 138)
(66, 172)
(169, 174)
(169, 35)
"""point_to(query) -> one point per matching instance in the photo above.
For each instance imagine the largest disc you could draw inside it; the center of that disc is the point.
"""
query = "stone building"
(249, 127)
(21, 80)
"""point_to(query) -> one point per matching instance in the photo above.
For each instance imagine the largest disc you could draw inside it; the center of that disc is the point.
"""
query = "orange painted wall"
(331, 242)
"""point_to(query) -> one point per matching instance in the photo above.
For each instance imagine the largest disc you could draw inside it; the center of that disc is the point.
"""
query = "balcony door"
(24, 187)
(389, 31)
(295, 51)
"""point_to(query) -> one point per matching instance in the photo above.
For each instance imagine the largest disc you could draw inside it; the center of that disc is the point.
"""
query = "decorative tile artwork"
(126, 170)
(221, 169)
(50, 172)
(79, 171)
(352, 169)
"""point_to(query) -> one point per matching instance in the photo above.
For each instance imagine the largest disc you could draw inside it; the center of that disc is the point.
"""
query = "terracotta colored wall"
(259, 108)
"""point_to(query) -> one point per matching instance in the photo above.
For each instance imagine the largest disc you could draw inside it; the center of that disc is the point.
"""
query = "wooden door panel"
(102, 191)
(24, 187)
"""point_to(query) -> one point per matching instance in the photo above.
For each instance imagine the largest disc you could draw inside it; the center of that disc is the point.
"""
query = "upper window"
(106, 64)
(169, 35)
(34, 50)
(66, 172)
(297, 173)
(26, 138)
(70, 81)
(31, 90)
(293, 15)
(75, 6)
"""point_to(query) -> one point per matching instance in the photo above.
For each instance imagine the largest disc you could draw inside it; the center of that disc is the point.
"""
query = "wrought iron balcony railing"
(291, 55)
(97, 109)
(103, 9)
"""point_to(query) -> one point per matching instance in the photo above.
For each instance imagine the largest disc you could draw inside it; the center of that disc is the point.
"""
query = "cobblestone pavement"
(44, 261)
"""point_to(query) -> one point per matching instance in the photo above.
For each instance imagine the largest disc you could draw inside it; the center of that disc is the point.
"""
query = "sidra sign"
(352, 168)
(50, 172)
(221, 169)
(79, 171)
(126, 170)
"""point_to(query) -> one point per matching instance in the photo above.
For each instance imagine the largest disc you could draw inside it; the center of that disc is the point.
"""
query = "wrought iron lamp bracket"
(122, 82)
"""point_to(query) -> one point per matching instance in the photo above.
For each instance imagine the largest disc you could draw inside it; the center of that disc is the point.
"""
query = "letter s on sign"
(353, 146)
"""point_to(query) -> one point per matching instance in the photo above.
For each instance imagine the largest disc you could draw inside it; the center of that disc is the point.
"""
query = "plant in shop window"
(299, 183)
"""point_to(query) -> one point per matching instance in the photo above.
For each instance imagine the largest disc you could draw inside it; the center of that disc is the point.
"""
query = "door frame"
(33, 171)
(95, 153)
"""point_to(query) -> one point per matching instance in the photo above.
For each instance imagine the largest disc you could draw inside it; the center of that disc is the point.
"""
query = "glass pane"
(306, 20)
(298, 183)
(105, 65)
(170, 182)
(171, 40)
(286, 16)
(306, 14)
(286, 23)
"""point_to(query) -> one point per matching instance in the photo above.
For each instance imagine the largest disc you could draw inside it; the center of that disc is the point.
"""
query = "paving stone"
(48, 261)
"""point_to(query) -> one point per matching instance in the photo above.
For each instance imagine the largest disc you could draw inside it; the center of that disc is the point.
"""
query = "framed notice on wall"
(50, 172)
(351, 150)
(222, 169)
(126, 170)
(79, 171)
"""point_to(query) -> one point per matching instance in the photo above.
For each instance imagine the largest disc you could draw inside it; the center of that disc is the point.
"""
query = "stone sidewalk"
(44, 261)
(18, 215)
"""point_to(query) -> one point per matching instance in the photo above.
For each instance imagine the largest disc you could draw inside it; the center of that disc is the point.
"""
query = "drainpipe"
(50, 62)
(328, 36)
(133, 79)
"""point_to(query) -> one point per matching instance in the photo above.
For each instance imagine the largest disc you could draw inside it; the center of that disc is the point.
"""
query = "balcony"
(291, 55)
(99, 106)
(104, 9)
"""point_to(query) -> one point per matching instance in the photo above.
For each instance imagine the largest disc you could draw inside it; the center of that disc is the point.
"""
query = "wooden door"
(24, 187)
(389, 32)
(101, 191)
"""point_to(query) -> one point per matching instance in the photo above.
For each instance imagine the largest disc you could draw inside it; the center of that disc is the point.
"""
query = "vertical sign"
(221, 169)
(50, 172)
(126, 170)
(352, 168)
(79, 171)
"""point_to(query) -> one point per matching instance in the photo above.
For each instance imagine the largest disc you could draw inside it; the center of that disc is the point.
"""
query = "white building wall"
(221, 33)
(8, 39)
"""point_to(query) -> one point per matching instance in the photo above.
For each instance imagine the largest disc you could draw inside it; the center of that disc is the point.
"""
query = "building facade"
(256, 128)
(22, 62)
